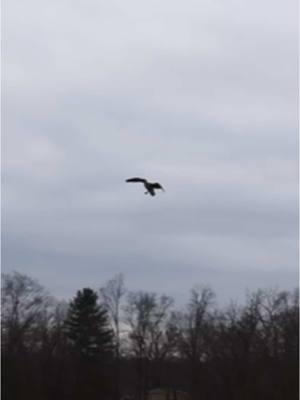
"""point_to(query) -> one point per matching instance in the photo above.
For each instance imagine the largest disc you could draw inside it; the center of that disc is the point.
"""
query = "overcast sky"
(200, 95)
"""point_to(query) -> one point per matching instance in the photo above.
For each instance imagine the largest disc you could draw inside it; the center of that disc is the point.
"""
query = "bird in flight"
(150, 187)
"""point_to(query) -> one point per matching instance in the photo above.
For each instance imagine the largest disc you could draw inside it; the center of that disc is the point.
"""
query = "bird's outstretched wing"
(136, 180)
(157, 185)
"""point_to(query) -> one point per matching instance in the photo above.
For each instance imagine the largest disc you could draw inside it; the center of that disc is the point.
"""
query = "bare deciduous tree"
(26, 309)
(151, 338)
(112, 294)
(194, 325)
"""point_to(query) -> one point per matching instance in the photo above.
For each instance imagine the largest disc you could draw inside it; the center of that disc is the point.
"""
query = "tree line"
(111, 344)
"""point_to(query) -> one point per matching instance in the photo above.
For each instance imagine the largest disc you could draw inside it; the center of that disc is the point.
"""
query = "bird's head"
(157, 185)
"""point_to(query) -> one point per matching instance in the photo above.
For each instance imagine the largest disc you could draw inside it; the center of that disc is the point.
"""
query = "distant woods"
(108, 343)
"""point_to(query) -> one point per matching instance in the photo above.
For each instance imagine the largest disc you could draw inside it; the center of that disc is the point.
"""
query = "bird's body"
(150, 186)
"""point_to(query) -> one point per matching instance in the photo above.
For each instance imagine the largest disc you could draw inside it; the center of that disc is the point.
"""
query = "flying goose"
(150, 187)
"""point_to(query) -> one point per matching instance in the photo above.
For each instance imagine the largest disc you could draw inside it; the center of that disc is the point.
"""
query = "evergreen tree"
(87, 326)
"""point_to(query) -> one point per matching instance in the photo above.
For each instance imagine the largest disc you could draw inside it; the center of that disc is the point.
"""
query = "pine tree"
(87, 326)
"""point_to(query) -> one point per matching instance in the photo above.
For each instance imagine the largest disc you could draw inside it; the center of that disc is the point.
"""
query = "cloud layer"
(200, 96)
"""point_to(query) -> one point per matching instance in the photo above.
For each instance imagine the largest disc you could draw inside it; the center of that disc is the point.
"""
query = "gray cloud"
(200, 96)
